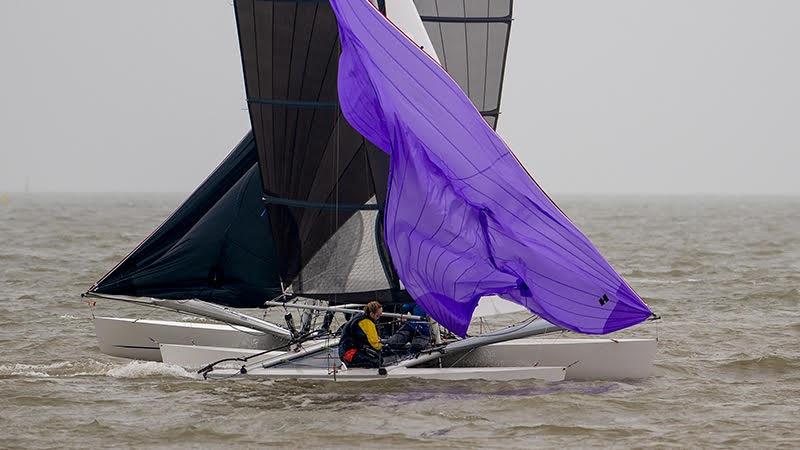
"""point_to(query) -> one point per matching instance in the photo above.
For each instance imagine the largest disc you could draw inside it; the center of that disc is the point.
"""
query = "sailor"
(414, 335)
(360, 345)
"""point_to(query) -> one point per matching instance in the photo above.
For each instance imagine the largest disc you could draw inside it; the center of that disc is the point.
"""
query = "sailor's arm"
(368, 327)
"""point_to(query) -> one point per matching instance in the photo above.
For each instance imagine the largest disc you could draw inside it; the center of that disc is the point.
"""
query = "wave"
(771, 295)
(66, 369)
(767, 365)
(35, 370)
(662, 281)
(572, 430)
(144, 369)
(658, 273)
(70, 317)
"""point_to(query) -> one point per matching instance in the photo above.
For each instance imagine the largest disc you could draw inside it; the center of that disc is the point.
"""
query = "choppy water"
(723, 272)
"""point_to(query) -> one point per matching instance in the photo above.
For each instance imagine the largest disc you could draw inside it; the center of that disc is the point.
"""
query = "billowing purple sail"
(463, 218)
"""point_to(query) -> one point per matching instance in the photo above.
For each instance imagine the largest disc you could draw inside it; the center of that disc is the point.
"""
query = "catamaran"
(373, 171)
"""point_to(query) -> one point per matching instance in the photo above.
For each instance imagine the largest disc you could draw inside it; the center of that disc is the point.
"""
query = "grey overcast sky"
(612, 96)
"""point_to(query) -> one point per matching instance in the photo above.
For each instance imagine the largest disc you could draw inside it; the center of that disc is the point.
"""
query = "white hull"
(461, 373)
(140, 338)
(194, 357)
(585, 359)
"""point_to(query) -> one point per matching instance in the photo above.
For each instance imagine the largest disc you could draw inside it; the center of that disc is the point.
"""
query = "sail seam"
(486, 59)
(300, 91)
(287, 148)
(466, 51)
(319, 93)
(294, 103)
(319, 205)
(441, 36)
(455, 19)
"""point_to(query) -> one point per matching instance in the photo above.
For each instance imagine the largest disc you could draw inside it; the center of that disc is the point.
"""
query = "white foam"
(33, 374)
(134, 369)
(32, 370)
(140, 369)
(56, 369)
(192, 319)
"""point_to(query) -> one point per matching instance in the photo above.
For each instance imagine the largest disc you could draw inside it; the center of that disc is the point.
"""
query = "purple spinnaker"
(463, 218)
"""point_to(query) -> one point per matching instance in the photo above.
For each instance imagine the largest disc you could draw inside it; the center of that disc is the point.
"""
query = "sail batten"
(464, 19)
(457, 192)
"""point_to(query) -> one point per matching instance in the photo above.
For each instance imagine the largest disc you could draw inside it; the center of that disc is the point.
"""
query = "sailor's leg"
(420, 342)
(367, 358)
(400, 338)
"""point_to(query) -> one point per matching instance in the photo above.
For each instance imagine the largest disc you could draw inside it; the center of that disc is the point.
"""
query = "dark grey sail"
(471, 40)
(324, 184)
(217, 246)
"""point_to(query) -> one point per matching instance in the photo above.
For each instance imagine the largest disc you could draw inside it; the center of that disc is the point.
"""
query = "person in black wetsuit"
(414, 335)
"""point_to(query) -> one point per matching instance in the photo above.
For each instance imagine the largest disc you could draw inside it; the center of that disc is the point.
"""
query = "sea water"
(723, 272)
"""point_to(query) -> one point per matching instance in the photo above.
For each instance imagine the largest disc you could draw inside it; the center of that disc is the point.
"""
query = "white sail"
(404, 14)
(348, 261)
(494, 305)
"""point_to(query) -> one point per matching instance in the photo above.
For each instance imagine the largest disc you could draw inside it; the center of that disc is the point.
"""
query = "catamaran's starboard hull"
(451, 374)
(140, 338)
(585, 359)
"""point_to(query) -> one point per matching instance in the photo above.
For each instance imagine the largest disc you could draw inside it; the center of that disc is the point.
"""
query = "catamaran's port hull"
(451, 374)
(585, 359)
(140, 338)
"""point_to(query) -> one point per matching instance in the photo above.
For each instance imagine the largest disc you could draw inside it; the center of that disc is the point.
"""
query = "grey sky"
(678, 96)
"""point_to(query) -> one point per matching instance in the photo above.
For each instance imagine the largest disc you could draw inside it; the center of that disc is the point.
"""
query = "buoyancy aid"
(359, 333)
